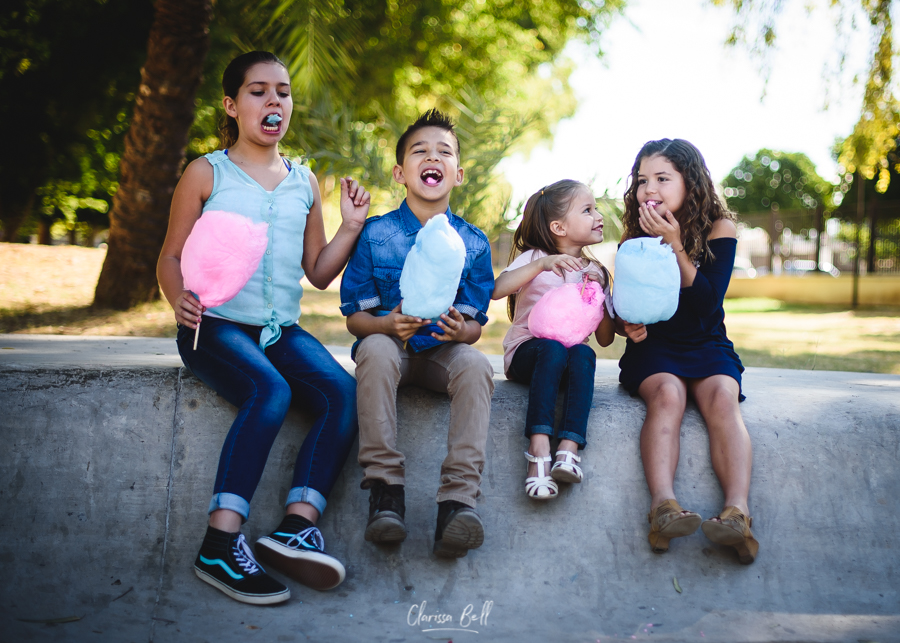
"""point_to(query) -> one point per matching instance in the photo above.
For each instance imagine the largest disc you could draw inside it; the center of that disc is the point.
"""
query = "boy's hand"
(188, 309)
(354, 203)
(453, 324)
(635, 332)
(403, 326)
(560, 263)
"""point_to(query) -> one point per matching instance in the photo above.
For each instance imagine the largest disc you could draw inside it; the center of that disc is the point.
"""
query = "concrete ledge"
(107, 472)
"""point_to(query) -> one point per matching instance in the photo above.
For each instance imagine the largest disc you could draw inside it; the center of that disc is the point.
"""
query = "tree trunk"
(43, 235)
(873, 237)
(13, 216)
(154, 152)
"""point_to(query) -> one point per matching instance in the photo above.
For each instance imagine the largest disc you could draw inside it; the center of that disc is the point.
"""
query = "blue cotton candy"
(648, 281)
(431, 272)
(271, 119)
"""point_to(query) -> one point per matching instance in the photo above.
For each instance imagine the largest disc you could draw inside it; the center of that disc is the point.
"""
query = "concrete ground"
(110, 454)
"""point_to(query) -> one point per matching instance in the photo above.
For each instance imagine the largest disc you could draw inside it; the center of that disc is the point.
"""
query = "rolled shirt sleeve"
(358, 290)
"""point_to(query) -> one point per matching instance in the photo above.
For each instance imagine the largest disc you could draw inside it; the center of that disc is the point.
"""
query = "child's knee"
(275, 394)
(582, 353)
(473, 368)
(667, 397)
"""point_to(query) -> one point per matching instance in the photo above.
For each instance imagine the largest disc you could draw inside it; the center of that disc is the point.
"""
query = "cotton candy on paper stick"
(431, 272)
(648, 281)
(220, 255)
(568, 314)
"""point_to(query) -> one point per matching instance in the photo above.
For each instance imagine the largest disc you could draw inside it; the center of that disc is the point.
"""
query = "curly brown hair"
(702, 206)
(545, 206)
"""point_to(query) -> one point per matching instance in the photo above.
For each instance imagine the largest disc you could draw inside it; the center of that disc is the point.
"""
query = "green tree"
(68, 73)
(361, 69)
(875, 135)
(154, 152)
(773, 180)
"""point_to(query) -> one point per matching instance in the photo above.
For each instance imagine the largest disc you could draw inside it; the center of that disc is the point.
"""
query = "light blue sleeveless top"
(271, 297)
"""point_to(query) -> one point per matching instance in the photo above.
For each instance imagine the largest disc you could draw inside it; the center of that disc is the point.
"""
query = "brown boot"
(667, 522)
(732, 528)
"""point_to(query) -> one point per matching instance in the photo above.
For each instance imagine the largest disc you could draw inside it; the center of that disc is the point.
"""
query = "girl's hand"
(188, 309)
(560, 263)
(635, 332)
(453, 324)
(659, 225)
(403, 326)
(355, 202)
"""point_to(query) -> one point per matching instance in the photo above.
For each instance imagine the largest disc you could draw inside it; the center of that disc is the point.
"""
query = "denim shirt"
(371, 281)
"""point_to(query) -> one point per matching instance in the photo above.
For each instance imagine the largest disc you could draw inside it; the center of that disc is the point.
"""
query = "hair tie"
(542, 193)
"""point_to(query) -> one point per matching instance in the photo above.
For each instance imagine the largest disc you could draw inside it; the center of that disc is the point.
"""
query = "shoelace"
(244, 556)
(388, 500)
(311, 536)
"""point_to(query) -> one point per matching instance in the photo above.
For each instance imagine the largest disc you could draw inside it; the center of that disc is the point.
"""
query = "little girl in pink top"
(560, 221)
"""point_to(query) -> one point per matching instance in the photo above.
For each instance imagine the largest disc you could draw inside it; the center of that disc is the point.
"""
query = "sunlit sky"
(668, 74)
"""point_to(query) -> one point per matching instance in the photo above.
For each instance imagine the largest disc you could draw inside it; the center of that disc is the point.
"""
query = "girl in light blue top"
(252, 351)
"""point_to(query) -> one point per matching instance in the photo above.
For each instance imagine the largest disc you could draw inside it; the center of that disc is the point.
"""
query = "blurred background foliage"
(868, 147)
(775, 180)
(361, 71)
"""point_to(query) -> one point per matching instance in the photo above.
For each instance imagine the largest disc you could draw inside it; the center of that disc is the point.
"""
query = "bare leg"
(729, 442)
(538, 446)
(225, 520)
(567, 445)
(666, 398)
(303, 509)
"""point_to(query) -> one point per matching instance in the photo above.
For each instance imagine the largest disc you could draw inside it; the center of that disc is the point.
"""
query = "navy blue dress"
(692, 343)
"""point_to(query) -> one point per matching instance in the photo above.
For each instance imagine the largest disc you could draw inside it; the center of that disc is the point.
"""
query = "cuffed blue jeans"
(546, 365)
(296, 368)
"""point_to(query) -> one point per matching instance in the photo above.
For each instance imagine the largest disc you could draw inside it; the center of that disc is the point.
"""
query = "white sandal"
(541, 486)
(566, 470)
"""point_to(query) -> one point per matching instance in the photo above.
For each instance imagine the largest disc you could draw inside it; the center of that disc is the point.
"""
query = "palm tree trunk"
(154, 152)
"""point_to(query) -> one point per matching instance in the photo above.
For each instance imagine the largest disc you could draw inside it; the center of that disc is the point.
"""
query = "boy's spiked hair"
(702, 206)
(431, 118)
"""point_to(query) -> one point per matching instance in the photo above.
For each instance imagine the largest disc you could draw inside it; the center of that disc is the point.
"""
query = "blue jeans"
(546, 365)
(262, 385)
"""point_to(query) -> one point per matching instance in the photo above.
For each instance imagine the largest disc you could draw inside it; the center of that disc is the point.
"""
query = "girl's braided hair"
(701, 207)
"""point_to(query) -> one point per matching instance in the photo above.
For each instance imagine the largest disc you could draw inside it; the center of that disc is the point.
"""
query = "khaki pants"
(383, 365)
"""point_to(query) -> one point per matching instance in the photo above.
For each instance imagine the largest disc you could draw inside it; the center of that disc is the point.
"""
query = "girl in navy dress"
(671, 195)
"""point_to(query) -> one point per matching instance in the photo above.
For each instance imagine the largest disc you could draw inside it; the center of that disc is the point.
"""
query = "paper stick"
(196, 335)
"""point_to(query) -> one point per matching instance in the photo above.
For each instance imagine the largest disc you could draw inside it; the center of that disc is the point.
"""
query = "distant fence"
(803, 241)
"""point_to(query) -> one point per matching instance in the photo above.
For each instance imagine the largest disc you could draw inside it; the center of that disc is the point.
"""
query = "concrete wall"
(107, 472)
(874, 290)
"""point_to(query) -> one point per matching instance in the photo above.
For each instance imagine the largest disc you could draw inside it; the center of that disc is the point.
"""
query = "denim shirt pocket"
(387, 281)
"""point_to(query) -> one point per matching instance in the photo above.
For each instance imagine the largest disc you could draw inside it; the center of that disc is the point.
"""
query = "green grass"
(49, 290)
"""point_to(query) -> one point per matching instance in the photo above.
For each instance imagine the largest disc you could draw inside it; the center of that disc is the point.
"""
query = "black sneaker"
(387, 507)
(296, 548)
(226, 562)
(459, 529)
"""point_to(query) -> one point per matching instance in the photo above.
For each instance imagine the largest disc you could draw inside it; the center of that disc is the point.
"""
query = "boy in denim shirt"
(428, 165)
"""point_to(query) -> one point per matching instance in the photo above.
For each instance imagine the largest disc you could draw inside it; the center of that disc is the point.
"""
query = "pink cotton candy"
(220, 255)
(567, 314)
